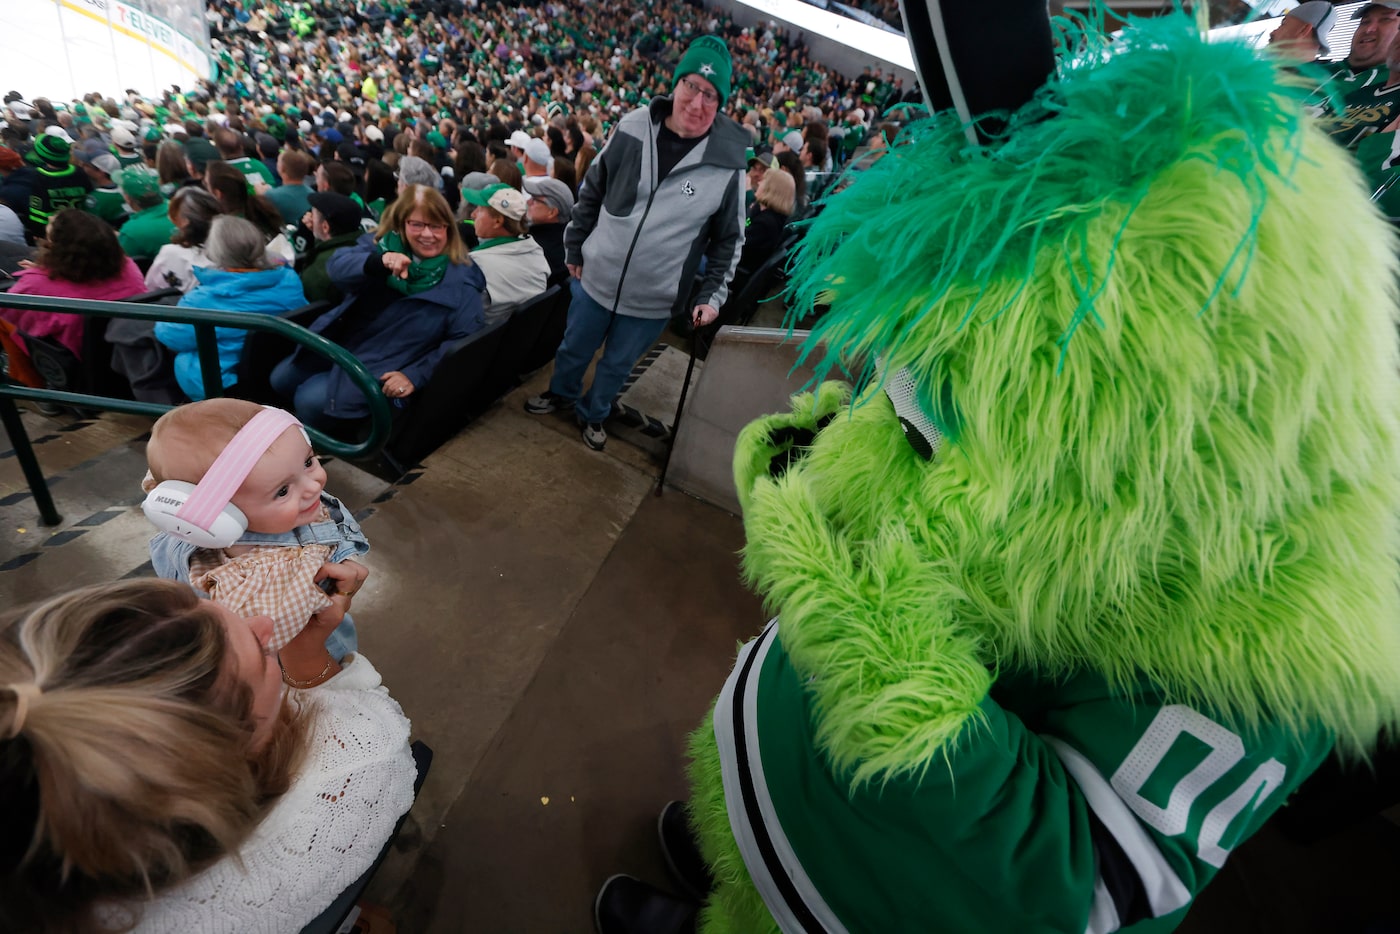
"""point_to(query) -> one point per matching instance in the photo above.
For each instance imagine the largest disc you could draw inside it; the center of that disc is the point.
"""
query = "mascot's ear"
(977, 62)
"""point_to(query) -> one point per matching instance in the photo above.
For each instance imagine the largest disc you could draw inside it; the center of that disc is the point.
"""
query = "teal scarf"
(423, 274)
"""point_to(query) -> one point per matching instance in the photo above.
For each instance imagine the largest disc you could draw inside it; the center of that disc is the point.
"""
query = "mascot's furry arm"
(1100, 560)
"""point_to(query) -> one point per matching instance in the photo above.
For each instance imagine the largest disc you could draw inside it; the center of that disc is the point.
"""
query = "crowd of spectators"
(319, 117)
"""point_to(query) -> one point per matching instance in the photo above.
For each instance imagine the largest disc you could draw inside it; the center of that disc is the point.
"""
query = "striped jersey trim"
(1165, 891)
(788, 893)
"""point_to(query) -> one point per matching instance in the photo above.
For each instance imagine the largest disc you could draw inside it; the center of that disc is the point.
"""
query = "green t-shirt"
(146, 232)
(1059, 801)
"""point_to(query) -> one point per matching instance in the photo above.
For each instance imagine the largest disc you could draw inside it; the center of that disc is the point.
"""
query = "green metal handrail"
(204, 321)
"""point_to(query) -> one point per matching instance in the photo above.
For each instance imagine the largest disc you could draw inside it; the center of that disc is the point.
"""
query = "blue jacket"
(392, 331)
(267, 291)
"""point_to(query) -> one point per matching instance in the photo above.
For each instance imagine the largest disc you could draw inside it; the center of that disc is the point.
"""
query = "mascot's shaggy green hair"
(1156, 325)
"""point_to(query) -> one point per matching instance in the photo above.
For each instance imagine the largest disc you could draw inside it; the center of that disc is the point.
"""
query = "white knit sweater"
(322, 835)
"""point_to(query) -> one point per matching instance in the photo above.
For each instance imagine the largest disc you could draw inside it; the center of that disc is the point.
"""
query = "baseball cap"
(122, 138)
(537, 151)
(476, 181)
(1321, 16)
(200, 152)
(340, 211)
(519, 139)
(1393, 5)
(765, 156)
(137, 181)
(793, 140)
(374, 134)
(106, 162)
(350, 154)
(501, 198)
(553, 192)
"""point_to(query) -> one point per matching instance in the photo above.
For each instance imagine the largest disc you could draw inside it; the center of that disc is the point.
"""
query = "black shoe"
(547, 402)
(629, 906)
(682, 852)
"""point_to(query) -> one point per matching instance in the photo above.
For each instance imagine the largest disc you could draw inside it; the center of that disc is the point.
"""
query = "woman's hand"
(397, 264)
(396, 385)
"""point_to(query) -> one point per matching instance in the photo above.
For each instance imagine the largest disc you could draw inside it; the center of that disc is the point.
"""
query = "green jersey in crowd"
(1368, 109)
(253, 168)
(108, 204)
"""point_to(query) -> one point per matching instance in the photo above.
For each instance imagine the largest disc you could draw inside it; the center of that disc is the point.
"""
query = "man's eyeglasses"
(420, 226)
(711, 97)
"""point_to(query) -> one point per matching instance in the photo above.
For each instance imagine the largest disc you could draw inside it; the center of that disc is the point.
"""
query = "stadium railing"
(204, 322)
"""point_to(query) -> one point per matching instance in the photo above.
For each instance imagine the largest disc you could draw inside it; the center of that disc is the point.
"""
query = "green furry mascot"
(1100, 562)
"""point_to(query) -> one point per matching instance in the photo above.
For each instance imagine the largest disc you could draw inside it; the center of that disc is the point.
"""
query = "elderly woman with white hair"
(242, 277)
(416, 171)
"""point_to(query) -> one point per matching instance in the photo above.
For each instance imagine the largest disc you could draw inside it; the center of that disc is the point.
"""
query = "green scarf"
(423, 274)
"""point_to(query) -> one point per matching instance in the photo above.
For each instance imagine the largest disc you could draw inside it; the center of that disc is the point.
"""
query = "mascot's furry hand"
(1099, 560)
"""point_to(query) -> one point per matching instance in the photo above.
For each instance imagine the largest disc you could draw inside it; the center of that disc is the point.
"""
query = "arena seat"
(439, 410)
(550, 335)
(262, 350)
(522, 331)
(90, 371)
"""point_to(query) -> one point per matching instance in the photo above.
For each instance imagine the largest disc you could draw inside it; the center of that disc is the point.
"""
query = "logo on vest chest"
(688, 189)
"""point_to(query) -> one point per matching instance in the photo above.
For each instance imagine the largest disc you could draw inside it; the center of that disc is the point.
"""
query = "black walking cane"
(680, 407)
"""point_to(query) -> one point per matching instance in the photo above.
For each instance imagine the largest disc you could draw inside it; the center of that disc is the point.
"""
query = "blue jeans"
(306, 384)
(589, 325)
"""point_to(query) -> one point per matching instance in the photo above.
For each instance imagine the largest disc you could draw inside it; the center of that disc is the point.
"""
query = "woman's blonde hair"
(777, 191)
(434, 207)
(127, 753)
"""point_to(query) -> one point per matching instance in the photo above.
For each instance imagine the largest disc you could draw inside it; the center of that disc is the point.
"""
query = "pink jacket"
(65, 328)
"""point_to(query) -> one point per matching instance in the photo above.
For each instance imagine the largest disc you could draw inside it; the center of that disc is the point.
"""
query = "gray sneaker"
(547, 402)
(594, 436)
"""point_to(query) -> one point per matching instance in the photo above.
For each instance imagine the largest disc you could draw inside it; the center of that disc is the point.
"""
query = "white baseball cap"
(537, 151)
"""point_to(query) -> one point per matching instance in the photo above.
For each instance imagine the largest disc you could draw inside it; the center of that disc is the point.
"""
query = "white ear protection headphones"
(201, 514)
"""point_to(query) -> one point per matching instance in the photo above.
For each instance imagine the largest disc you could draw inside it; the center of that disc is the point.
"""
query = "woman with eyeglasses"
(411, 291)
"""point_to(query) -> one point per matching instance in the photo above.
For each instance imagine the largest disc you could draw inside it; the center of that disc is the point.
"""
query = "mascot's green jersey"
(1095, 558)
(1068, 802)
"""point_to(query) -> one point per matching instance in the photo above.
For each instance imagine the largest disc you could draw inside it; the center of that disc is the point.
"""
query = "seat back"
(263, 350)
(551, 333)
(522, 330)
(58, 366)
(438, 410)
(100, 379)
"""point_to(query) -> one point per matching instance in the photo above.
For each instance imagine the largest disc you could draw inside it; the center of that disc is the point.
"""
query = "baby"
(260, 557)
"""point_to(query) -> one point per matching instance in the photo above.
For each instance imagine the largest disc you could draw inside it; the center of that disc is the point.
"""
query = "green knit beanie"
(50, 150)
(707, 57)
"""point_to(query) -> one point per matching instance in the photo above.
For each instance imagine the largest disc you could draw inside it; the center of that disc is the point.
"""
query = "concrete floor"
(554, 631)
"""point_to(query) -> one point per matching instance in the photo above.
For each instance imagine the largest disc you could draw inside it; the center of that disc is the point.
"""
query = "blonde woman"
(162, 771)
(410, 292)
(767, 223)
